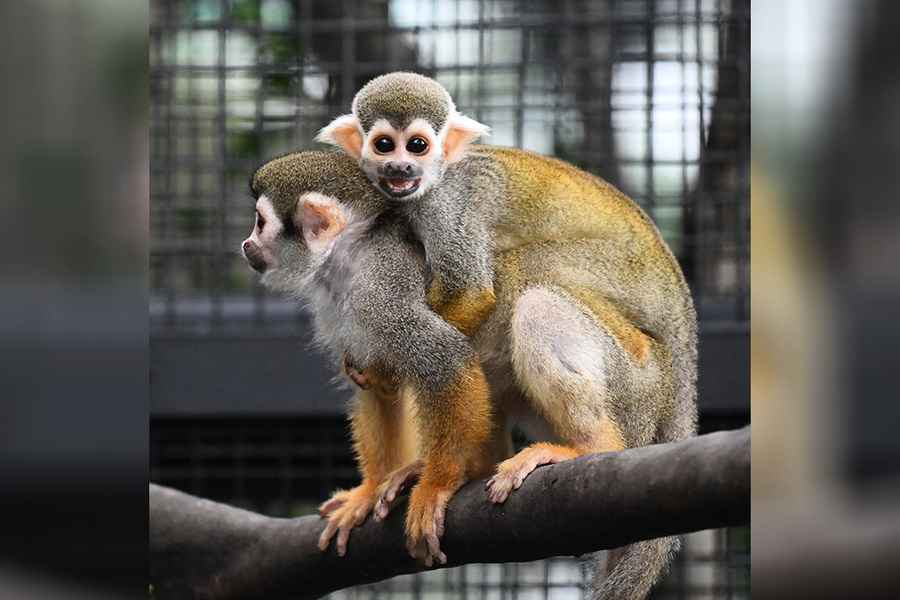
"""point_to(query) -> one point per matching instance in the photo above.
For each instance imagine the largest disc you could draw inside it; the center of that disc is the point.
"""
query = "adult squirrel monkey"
(591, 345)
(322, 234)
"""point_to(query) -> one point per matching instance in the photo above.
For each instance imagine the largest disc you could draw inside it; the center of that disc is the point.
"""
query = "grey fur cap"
(401, 97)
(331, 173)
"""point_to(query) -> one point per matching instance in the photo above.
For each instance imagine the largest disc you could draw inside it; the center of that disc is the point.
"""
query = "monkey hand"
(395, 484)
(370, 378)
(425, 521)
(345, 510)
(466, 310)
(359, 376)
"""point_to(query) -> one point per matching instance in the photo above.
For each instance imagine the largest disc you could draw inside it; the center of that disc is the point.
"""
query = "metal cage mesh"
(652, 96)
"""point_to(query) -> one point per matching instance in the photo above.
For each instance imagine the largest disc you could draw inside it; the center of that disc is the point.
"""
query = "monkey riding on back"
(548, 296)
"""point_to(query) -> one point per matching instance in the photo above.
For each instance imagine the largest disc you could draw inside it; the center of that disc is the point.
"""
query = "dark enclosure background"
(652, 96)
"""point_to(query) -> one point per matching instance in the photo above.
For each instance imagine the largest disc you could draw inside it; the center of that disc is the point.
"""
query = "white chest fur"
(328, 292)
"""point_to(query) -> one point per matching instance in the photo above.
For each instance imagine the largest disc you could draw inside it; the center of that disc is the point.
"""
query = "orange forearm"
(454, 426)
(381, 433)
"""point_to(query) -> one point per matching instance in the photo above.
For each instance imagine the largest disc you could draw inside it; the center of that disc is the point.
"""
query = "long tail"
(636, 568)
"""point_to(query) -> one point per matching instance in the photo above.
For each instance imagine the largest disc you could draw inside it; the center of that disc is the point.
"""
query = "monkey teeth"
(401, 186)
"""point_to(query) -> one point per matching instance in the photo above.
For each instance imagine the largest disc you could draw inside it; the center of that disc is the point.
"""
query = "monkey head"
(304, 202)
(403, 130)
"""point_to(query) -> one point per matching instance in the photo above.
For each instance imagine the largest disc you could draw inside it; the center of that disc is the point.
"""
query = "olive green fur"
(401, 97)
(331, 173)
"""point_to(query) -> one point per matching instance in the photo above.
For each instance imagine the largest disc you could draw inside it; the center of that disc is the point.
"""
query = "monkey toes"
(512, 472)
(344, 511)
(425, 524)
(394, 485)
(336, 501)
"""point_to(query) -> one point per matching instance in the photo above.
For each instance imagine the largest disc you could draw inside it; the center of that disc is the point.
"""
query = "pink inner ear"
(455, 144)
(461, 132)
(321, 223)
(349, 139)
(344, 133)
(315, 220)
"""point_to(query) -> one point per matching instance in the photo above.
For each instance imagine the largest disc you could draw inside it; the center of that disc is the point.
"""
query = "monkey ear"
(461, 131)
(321, 219)
(344, 132)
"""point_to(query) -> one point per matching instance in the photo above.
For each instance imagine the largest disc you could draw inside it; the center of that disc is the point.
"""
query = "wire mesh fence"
(650, 95)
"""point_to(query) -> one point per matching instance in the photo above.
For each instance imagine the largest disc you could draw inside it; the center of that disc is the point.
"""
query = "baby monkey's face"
(402, 163)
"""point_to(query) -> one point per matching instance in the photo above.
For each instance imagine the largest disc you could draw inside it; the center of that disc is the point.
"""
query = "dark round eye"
(384, 144)
(260, 221)
(417, 145)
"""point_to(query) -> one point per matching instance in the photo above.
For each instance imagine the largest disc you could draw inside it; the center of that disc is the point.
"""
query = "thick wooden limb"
(202, 549)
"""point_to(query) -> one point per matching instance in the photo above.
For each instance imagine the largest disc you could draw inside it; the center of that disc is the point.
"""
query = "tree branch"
(203, 549)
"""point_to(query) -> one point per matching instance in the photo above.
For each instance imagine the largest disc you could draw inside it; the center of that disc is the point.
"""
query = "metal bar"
(368, 25)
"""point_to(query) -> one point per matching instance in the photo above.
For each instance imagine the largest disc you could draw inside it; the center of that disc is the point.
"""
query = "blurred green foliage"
(279, 84)
(280, 49)
(243, 143)
(244, 12)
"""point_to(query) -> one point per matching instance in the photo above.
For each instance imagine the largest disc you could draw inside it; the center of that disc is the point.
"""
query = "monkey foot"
(345, 510)
(425, 523)
(394, 485)
(513, 471)
(336, 501)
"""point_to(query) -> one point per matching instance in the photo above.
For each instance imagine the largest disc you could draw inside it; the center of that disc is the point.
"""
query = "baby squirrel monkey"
(325, 236)
(405, 131)
(467, 203)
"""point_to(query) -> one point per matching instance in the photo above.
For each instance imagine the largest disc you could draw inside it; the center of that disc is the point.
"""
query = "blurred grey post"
(826, 137)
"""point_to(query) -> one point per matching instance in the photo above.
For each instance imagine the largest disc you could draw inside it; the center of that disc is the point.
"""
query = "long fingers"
(325, 538)
(434, 549)
(386, 498)
(343, 537)
(425, 525)
(353, 509)
(332, 504)
(396, 484)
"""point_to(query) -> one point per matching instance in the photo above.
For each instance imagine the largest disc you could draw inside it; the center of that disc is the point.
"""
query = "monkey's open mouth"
(399, 187)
